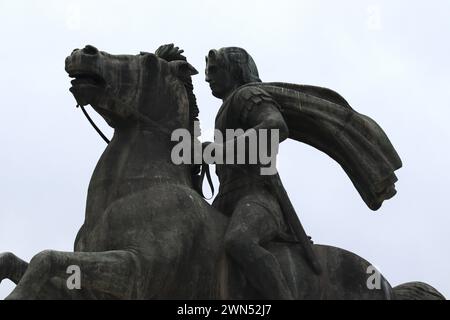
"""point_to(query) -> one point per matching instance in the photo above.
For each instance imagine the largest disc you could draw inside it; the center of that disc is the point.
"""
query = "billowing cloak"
(323, 119)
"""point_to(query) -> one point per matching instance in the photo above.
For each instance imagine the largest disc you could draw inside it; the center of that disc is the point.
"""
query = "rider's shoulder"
(251, 94)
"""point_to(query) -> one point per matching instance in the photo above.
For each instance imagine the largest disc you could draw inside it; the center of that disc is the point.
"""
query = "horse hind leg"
(103, 274)
(12, 267)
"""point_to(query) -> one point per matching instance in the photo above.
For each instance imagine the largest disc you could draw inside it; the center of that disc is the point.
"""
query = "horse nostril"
(90, 50)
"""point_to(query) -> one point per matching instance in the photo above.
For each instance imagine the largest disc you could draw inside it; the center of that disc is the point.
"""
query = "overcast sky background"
(389, 59)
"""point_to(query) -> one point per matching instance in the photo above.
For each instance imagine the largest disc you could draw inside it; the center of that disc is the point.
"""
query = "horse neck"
(136, 159)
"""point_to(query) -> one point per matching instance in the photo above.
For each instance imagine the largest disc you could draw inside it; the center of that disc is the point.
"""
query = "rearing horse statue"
(148, 234)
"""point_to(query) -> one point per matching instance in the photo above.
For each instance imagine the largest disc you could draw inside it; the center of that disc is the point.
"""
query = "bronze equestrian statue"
(149, 234)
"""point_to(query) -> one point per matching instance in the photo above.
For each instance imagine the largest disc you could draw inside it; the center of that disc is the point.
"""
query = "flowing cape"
(323, 119)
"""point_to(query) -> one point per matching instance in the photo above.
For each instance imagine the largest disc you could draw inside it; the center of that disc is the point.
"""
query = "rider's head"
(229, 68)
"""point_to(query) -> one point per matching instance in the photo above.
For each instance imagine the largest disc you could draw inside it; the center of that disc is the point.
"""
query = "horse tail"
(416, 291)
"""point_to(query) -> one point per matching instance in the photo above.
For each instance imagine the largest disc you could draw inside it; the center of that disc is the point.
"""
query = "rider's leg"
(11, 267)
(250, 225)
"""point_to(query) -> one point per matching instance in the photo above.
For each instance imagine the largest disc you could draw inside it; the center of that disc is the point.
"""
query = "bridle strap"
(204, 167)
(205, 172)
(143, 119)
(94, 125)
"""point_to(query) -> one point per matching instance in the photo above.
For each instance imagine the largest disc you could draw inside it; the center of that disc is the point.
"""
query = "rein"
(93, 124)
(197, 180)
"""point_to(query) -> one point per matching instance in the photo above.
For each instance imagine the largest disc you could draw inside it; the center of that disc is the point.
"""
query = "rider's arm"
(266, 115)
(253, 109)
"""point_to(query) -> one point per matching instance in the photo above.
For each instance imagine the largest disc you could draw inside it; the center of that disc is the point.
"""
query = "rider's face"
(220, 80)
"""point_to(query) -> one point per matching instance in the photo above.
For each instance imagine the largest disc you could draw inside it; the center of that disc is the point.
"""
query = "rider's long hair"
(239, 62)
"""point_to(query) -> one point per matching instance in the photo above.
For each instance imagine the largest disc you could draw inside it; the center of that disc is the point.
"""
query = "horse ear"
(182, 69)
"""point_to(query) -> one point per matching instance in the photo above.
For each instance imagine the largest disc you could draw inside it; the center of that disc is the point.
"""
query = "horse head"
(125, 89)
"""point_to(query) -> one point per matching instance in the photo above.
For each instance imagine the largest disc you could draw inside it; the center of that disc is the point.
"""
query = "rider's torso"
(235, 180)
(228, 119)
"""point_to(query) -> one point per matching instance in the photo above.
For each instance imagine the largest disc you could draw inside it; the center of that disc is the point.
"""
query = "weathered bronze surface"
(149, 234)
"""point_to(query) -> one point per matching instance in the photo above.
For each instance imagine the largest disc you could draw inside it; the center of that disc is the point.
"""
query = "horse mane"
(194, 123)
(193, 108)
(170, 53)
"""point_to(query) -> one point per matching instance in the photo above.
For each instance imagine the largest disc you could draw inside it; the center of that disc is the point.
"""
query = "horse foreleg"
(11, 267)
(112, 273)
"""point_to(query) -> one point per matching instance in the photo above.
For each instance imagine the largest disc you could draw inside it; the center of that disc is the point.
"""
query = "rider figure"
(256, 216)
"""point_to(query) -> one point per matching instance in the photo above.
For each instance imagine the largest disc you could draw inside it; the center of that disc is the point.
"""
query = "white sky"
(389, 59)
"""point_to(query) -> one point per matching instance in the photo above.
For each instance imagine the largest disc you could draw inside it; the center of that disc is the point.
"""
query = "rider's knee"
(236, 242)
